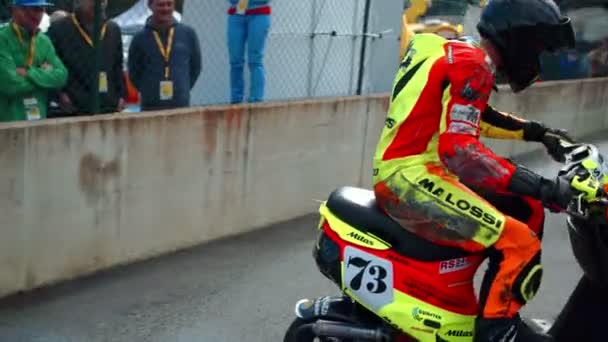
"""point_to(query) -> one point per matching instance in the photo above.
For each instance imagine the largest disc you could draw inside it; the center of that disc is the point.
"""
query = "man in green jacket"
(29, 66)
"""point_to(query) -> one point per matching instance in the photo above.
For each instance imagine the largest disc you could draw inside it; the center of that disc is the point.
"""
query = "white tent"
(135, 17)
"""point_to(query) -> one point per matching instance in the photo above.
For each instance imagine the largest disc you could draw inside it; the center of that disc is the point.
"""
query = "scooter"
(362, 251)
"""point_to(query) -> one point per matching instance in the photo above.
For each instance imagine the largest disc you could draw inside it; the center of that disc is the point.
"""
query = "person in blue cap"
(29, 66)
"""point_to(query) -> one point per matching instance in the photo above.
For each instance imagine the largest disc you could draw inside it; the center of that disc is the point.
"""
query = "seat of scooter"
(358, 208)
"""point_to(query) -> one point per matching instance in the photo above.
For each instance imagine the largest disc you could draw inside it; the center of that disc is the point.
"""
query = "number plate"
(368, 277)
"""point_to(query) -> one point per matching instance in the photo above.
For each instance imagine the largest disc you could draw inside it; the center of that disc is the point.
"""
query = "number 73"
(377, 272)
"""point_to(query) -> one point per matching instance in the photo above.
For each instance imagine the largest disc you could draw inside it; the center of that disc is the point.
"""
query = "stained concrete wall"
(81, 195)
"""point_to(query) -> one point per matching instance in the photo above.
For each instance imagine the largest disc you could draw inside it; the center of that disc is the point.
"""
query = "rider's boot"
(506, 330)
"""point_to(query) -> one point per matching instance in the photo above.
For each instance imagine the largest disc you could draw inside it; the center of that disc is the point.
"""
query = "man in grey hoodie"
(165, 59)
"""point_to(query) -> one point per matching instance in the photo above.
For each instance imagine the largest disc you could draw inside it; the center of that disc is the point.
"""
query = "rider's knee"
(528, 281)
(521, 246)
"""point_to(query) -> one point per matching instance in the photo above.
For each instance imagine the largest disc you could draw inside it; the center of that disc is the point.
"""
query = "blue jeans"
(252, 29)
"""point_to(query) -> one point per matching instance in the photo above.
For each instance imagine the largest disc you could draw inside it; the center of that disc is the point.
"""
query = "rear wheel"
(307, 335)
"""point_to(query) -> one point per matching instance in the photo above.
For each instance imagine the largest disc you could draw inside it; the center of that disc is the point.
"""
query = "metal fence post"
(364, 32)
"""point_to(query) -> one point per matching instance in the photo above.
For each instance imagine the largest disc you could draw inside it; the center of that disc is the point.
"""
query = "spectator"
(598, 59)
(5, 14)
(29, 66)
(58, 14)
(248, 22)
(164, 59)
(573, 65)
(72, 37)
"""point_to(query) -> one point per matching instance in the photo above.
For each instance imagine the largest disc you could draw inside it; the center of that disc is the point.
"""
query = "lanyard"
(32, 49)
(165, 51)
(84, 34)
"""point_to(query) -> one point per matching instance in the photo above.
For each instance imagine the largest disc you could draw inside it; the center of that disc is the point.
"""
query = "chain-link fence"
(312, 48)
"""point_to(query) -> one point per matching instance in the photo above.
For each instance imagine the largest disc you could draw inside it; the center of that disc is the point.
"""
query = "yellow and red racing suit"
(429, 149)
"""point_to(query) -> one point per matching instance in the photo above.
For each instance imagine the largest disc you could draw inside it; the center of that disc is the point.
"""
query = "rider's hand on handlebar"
(588, 186)
(557, 194)
(550, 137)
(552, 140)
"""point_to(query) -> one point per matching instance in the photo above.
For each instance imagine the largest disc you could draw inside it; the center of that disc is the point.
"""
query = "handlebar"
(585, 160)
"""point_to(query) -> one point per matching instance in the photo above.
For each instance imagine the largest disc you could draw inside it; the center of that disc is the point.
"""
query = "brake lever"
(585, 215)
(578, 207)
(578, 215)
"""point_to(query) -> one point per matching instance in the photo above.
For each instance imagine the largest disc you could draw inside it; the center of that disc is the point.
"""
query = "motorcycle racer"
(434, 176)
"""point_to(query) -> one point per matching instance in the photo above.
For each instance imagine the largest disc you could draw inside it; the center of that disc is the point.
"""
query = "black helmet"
(521, 30)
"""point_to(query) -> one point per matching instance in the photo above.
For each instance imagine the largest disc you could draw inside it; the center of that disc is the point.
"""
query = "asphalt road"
(242, 289)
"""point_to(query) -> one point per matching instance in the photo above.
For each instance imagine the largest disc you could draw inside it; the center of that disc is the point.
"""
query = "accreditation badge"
(32, 109)
(166, 90)
(103, 82)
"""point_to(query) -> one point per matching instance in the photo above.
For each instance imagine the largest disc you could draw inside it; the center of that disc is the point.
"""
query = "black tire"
(290, 335)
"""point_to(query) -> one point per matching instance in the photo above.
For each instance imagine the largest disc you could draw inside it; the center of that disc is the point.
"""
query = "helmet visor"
(522, 62)
(560, 36)
(522, 70)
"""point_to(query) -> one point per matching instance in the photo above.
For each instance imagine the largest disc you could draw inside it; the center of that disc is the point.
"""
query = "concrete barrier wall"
(81, 195)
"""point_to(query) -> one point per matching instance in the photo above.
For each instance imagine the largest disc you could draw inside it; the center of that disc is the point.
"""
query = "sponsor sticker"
(466, 113)
(420, 314)
(461, 128)
(453, 265)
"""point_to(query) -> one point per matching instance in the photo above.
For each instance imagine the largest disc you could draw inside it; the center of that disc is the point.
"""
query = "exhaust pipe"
(344, 330)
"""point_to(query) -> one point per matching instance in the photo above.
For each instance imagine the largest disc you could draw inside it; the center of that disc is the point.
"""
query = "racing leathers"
(429, 149)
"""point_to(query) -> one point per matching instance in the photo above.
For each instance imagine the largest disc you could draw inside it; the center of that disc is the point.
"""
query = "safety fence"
(308, 49)
(84, 194)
